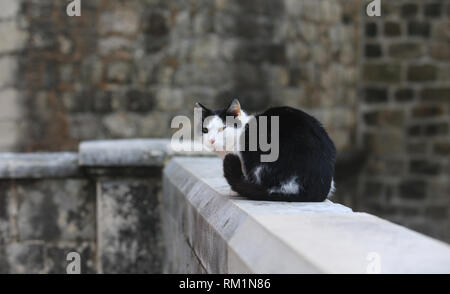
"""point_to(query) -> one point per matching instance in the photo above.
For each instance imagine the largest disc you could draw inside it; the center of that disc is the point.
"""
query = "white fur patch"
(257, 174)
(332, 189)
(225, 140)
(289, 187)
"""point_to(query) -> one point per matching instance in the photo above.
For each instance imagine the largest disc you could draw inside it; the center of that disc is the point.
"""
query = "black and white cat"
(304, 169)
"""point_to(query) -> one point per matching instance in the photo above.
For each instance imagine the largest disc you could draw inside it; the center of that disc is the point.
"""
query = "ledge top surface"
(38, 165)
(130, 152)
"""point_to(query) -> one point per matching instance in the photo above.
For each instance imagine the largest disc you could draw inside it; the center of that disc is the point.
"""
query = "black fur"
(305, 152)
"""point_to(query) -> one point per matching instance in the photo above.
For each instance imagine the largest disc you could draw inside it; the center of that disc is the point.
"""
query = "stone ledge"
(38, 165)
(214, 231)
(132, 156)
(128, 152)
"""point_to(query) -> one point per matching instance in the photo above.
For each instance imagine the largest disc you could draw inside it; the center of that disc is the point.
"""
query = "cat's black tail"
(233, 174)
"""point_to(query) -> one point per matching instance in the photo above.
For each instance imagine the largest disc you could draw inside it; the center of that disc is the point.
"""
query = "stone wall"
(14, 35)
(57, 203)
(125, 68)
(404, 114)
(113, 204)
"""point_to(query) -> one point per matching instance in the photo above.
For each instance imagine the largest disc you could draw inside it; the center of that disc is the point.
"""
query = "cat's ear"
(197, 104)
(234, 108)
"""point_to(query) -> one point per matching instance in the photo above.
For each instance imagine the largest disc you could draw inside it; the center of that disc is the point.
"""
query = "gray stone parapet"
(208, 229)
(129, 152)
(38, 165)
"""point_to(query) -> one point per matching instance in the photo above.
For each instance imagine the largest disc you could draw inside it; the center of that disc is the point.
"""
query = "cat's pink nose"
(212, 141)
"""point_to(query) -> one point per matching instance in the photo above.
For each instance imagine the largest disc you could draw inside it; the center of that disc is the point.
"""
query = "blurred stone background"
(380, 85)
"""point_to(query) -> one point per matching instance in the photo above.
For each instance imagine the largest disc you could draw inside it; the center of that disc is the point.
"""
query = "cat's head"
(221, 127)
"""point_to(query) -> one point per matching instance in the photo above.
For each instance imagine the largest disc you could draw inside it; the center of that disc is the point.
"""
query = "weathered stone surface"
(422, 73)
(128, 226)
(123, 20)
(9, 135)
(198, 203)
(136, 152)
(9, 64)
(38, 165)
(53, 210)
(440, 50)
(9, 8)
(421, 29)
(11, 107)
(442, 148)
(392, 29)
(388, 73)
(6, 214)
(24, 258)
(56, 257)
(371, 29)
(133, 152)
(439, 95)
(406, 50)
(404, 95)
(393, 118)
(13, 38)
(376, 95)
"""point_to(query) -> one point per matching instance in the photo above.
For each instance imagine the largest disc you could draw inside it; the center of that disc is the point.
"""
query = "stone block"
(427, 111)
(112, 44)
(409, 10)
(24, 258)
(9, 135)
(119, 72)
(404, 95)
(392, 29)
(54, 210)
(11, 107)
(441, 31)
(122, 20)
(413, 189)
(169, 99)
(8, 211)
(9, 65)
(376, 95)
(139, 101)
(422, 73)
(440, 50)
(433, 9)
(38, 165)
(9, 9)
(419, 29)
(56, 257)
(442, 148)
(373, 51)
(13, 38)
(129, 226)
(135, 152)
(391, 118)
(121, 125)
(385, 143)
(438, 95)
(371, 29)
(407, 50)
(386, 73)
(424, 167)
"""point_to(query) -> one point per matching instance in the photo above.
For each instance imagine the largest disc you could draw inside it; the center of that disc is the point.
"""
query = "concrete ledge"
(129, 152)
(38, 165)
(209, 230)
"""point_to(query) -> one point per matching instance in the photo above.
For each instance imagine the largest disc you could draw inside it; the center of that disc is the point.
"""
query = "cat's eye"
(204, 130)
(222, 129)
